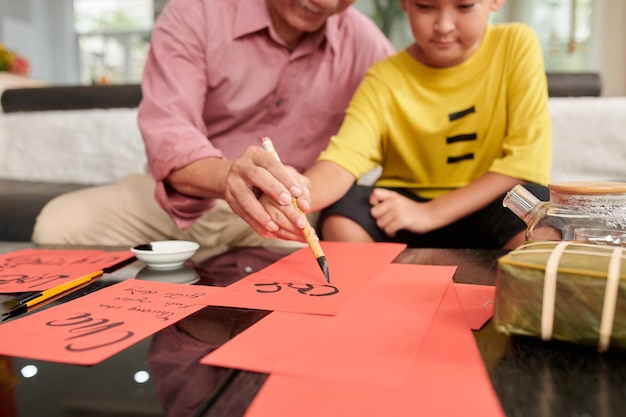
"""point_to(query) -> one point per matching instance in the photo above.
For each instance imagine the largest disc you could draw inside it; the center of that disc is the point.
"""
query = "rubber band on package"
(549, 290)
(610, 300)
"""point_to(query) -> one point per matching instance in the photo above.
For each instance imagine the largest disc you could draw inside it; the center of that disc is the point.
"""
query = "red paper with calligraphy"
(28, 270)
(295, 284)
(447, 378)
(375, 335)
(92, 328)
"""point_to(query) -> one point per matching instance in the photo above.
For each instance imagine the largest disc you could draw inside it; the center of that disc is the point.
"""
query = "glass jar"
(592, 212)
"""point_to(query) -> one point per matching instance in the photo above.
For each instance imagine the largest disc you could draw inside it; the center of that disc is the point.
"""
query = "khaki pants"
(126, 214)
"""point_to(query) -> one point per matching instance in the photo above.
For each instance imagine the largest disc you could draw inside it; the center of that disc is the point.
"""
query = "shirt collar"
(251, 16)
(332, 31)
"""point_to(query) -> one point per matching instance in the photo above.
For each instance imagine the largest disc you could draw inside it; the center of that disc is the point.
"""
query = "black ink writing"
(181, 295)
(86, 328)
(11, 262)
(133, 299)
(30, 281)
(311, 290)
(15, 261)
(159, 314)
(140, 290)
(109, 307)
(276, 288)
(179, 305)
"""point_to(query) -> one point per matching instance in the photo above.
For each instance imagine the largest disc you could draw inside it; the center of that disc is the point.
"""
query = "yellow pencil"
(309, 232)
(42, 296)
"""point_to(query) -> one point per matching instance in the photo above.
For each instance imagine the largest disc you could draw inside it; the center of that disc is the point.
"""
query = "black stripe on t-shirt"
(462, 113)
(461, 138)
(455, 159)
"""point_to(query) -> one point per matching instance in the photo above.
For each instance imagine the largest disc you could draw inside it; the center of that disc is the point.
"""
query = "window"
(113, 38)
(564, 28)
(113, 35)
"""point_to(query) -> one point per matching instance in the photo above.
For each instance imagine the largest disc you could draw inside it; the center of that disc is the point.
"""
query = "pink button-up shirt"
(218, 77)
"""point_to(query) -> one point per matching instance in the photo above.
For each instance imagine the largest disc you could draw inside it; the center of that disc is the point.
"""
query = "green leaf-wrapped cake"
(565, 291)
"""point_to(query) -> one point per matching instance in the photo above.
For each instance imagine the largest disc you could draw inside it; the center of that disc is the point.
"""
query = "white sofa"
(93, 146)
(589, 138)
(103, 145)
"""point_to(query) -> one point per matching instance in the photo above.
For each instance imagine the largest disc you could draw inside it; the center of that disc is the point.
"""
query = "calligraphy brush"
(309, 232)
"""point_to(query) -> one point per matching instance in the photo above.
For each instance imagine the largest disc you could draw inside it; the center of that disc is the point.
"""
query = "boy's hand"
(394, 212)
(281, 215)
(289, 218)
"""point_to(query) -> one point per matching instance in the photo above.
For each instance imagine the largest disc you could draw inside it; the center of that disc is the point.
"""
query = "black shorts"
(489, 228)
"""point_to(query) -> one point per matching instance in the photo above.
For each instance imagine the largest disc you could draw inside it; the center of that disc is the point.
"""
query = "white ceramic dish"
(180, 275)
(165, 254)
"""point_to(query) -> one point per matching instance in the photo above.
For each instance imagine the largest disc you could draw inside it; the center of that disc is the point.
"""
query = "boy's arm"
(394, 212)
(329, 182)
(471, 198)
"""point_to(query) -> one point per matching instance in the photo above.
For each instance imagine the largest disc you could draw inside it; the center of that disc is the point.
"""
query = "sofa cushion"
(589, 143)
(21, 202)
(94, 146)
(583, 84)
(71, 97)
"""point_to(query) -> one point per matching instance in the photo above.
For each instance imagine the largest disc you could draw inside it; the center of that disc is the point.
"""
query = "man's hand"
(257, 173)
(241, 182)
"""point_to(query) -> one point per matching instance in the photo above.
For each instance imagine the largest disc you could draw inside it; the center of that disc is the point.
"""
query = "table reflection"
(558, 379)
(180, 275)
(183, 385)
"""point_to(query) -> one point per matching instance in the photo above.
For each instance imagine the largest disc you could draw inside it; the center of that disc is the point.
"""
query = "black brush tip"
(324, 266)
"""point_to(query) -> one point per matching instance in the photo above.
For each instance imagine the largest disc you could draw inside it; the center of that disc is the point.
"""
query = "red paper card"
(477, 303)
(448, 379)
(373, 338)
(28, 270)
(89, 329)
(296, 284)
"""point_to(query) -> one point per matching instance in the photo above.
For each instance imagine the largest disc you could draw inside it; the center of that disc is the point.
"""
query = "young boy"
(455, 120)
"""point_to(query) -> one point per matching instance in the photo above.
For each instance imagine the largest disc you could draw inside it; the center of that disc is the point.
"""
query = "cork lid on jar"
(588, 187)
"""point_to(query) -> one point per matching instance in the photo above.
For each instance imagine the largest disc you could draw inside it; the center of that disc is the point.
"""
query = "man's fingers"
(273, 178)
(288, 235)
(266, 182)
(246, 205)
(258, 173)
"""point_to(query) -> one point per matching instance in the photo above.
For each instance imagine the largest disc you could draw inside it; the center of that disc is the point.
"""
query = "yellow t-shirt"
(436, 129)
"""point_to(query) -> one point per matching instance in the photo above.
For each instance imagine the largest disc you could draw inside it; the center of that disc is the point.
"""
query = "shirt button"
(248, 269)
(279, 103)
